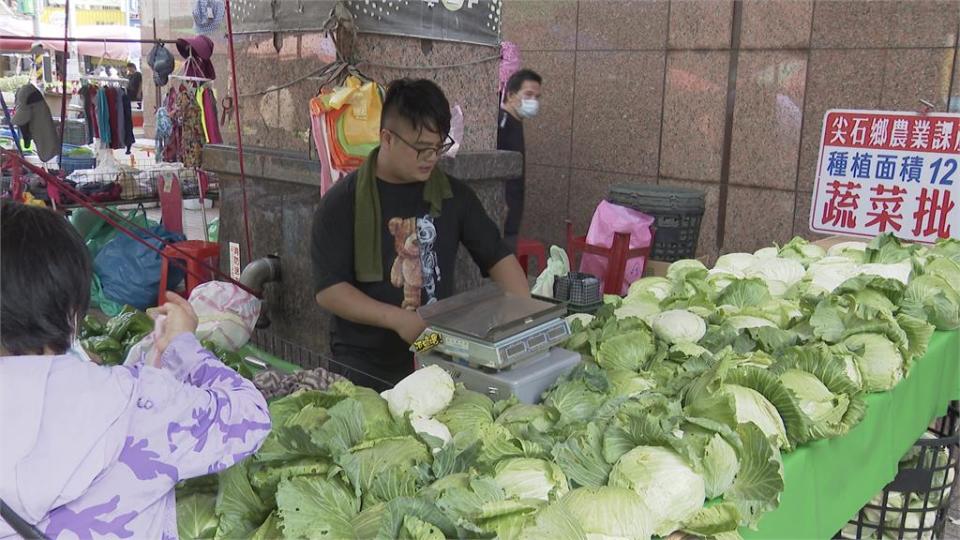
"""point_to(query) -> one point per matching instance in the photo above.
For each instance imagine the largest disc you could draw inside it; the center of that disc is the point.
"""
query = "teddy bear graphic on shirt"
(406, 272)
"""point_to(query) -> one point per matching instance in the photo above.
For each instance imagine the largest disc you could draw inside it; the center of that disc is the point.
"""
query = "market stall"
(692, 387)
(770, 396)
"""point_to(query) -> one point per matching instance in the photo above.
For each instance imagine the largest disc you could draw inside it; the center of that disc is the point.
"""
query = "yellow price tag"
(427, 342)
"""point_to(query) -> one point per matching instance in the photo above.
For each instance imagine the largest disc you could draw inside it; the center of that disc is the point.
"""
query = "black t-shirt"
(509, 133)
(415, 247)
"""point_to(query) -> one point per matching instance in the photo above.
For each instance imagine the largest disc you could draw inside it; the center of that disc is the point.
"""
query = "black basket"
(284, 349)
(589, 309)
(915, 504)
(577, 289)
(677, 213)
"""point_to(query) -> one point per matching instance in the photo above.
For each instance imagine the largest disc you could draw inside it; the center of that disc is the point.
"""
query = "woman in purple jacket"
(89, 451)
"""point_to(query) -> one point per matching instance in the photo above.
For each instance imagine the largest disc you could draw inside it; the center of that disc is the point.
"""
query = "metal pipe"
(284, 30)
(260, 272)
(89, 40)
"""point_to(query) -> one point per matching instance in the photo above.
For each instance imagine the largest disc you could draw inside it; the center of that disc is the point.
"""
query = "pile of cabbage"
(692, 387)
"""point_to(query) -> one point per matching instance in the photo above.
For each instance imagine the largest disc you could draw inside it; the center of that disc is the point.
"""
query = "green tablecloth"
(827, 482)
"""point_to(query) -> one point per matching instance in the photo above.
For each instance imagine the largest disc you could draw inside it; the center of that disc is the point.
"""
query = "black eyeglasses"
(431, 152)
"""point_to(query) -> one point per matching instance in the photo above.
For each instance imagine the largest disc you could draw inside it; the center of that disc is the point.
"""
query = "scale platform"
(496, 343)
(527, 380)
(492, 329)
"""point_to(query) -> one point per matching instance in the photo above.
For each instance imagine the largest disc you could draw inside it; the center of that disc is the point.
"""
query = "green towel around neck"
(367, 226)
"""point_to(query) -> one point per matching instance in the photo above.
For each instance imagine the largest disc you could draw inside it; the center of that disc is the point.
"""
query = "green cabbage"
(932, 299)
(752, 406)
(669, 486)
(609, 513)
(880, 363)
(679, 325)
(530, 478)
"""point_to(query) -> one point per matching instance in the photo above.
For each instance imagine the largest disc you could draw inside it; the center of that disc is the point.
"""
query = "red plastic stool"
(527, 248)
(198, 257)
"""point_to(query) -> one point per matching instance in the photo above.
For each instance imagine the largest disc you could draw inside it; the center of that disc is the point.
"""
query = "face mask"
(529, 108)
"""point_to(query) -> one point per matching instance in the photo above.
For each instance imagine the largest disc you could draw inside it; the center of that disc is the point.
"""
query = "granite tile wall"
(645, 91)
(693, 115)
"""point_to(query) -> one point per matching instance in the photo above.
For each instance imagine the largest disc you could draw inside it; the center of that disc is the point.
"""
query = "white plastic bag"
(557, 265)
(143, 352)
(456, 130)
(227, 314)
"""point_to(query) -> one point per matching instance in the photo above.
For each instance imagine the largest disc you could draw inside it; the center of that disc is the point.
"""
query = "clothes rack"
(65, 39)
(190, 79)
(90, 40)
(102, 78)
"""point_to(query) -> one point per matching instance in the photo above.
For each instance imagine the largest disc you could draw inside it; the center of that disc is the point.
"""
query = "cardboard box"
(659, 268)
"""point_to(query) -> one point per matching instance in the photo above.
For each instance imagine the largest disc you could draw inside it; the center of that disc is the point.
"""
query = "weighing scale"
(496, 343)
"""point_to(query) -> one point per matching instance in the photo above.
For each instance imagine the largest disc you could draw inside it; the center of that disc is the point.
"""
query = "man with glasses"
(385, 239)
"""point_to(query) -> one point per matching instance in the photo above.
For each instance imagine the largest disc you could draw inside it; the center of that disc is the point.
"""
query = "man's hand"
(408, 325)
(347, 302)
(178, 318)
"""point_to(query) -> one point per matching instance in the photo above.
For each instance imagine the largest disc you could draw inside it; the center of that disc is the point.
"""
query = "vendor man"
(385, 239)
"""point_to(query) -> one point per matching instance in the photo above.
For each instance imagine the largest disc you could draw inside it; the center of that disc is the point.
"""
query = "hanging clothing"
(208, 115)
(116, 119)
(186, 134)
(191, 130)
(171, 147)
(111, 117)
(32, 116)
(87, 108)
(164, 132)
(128, 136)
(326, 176)
(92, 117)
(103, 116)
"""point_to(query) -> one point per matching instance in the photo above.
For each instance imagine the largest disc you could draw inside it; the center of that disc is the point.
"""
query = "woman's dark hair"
(515, 82)
(45, 273)
(420, 102)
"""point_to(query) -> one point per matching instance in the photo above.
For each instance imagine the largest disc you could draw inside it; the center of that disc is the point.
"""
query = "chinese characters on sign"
(888, 172)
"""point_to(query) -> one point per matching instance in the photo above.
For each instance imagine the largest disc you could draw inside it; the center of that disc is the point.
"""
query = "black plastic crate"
(915, 504)
(677, 214)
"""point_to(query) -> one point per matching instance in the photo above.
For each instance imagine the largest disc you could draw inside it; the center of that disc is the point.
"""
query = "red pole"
(236, 113)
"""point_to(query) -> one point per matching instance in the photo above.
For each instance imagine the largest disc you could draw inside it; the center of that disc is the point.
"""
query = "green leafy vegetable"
(196, 517)
(665, 482)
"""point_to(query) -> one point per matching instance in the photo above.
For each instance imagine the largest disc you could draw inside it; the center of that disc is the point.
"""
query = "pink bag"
(609, 219)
